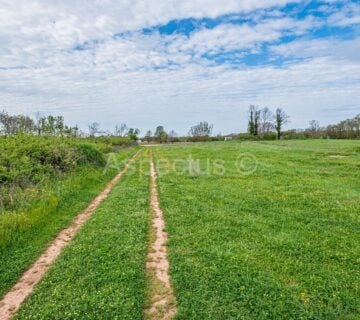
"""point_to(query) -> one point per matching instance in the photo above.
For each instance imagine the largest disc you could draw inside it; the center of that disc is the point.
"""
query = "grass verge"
(101, 274)
(24, 236)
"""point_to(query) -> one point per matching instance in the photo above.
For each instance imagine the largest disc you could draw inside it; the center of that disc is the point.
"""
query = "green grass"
(101, 274)
(281, 243)
(24, 236)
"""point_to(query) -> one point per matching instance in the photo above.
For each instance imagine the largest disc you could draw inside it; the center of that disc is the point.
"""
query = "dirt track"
(163, 303)
(12, 301)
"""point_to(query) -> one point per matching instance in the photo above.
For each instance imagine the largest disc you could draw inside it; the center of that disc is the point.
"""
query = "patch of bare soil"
(12, 301)
(337, 156)
(161, 300)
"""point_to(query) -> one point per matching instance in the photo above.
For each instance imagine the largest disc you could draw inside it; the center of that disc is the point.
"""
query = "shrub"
(28, 162)
(270, 136)
(88, 154)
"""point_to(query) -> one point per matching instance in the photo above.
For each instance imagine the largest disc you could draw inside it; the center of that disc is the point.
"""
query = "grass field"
(280, 243)
(257, 230)
(101, 275)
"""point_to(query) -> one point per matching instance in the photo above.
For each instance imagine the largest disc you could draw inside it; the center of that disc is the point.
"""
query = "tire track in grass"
(12, 301)
(161, 300)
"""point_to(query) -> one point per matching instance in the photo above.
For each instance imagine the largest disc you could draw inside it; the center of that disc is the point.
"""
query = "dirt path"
(24, 287)
(161, 300)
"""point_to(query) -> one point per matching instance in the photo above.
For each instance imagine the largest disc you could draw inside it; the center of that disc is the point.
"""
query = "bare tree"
(121, 130)
(94, 128)
(314, 127)
(281, 118)
(201, 131)
(266, 123)
(172, 136)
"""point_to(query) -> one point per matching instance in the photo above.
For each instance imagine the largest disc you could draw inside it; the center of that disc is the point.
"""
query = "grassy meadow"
(257, 230)
(273, 236)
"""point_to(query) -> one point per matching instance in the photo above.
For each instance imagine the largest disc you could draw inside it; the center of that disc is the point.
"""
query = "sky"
(175, 63)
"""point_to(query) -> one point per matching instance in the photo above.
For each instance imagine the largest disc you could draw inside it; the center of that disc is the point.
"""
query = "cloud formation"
(96, 60)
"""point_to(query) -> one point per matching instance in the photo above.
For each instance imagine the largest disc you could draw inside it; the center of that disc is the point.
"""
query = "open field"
(256, 230)
(279, 243)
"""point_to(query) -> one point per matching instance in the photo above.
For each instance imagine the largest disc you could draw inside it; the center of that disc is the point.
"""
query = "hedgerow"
(27, 162)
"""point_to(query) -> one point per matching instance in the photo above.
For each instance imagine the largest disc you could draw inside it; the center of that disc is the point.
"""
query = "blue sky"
(175, 63)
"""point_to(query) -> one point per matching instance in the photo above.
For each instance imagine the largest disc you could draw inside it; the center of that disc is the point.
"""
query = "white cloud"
(150, 79)
(346, 16)
(330, 47)
(228, 37)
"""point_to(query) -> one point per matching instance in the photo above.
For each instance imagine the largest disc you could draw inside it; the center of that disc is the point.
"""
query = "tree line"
(42, 125)
(263, 123)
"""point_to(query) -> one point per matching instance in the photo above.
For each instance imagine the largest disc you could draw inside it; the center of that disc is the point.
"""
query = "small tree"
(120, 130)
(314, 128)
(254, 120)
(160, 134)
(201, 131)
(10, 125)
(266, 124)
(172, 136)
(133, 133)
(251, 122)
(281, 118)
(94, 129)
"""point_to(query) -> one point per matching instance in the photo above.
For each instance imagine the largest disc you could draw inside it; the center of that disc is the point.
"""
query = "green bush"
(88, 154)
(29, 162)
(246, 137)
(270, 136)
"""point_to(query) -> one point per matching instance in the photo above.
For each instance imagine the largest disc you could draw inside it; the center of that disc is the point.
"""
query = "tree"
(172, 136)
(314, 127)
(158, 131)
(160, 134)
(201, 131)
(133, 133)
(10, 125)
(254, 119)
(266, 124)
(281, 118)
(251, 122)
(94, 129)
(120, 130)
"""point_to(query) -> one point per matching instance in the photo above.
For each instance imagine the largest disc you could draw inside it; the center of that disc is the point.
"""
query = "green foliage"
(27, 162)
(133, 134)
(247, 137)
(87, 154)
(269, 136)
(110, 143)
